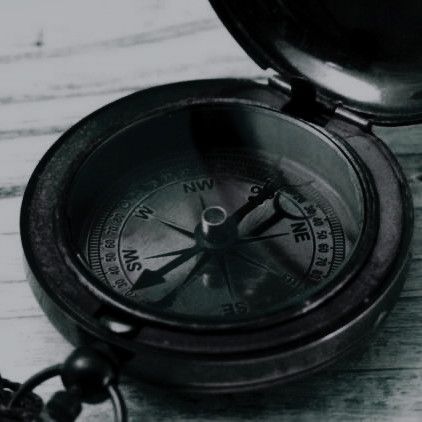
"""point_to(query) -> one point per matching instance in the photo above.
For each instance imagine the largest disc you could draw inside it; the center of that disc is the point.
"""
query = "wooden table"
(60, 60)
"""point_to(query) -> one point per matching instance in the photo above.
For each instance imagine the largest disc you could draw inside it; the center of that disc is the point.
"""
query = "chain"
(88, 375)
(27, 409)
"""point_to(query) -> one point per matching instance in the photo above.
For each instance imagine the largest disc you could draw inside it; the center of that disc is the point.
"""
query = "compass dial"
(230, 235)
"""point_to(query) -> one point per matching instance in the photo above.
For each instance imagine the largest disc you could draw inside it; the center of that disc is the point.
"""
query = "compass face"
(218, 229)
(174, 240)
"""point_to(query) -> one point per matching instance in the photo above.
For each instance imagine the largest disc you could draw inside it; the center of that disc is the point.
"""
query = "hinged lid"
(364, 54)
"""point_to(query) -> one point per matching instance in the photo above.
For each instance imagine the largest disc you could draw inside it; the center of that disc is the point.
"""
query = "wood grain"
(61, 60)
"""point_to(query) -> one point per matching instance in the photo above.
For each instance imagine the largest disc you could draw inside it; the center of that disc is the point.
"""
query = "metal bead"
(64, 406)
(87, 373)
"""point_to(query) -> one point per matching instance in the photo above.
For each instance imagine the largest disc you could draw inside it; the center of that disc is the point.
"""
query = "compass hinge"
(306, 103)
(278, 82)
(352, 117)
(303, 96)
(300, 90)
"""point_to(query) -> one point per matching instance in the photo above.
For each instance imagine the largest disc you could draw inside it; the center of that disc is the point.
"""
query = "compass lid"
(363, 54)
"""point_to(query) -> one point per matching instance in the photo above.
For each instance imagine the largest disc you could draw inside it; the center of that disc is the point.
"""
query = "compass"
(223, 235)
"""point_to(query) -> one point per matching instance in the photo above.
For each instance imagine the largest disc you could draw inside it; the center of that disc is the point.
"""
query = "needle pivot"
(213, 221)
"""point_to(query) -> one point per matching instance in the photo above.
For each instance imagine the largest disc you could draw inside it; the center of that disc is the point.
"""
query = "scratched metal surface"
(60, 60)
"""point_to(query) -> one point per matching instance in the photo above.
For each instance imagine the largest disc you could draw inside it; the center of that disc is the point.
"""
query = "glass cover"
(217, 213)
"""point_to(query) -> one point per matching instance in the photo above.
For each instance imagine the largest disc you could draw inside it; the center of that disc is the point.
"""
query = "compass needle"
(171, 253)
(261, 238)
(265, 225)
(267, 192)
(279, 215)
(226, 275)
(150, 278)
(202, 202)
(177, 227)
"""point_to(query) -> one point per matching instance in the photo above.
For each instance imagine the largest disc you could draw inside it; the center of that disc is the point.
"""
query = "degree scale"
(226, 234)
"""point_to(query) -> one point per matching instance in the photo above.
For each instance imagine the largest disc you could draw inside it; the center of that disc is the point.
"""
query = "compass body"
(218, 235)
